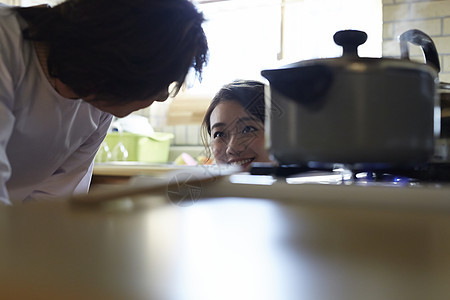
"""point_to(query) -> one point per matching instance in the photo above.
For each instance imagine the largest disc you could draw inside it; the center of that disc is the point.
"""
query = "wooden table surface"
(131, 168)
(222, 248)
(121, 172)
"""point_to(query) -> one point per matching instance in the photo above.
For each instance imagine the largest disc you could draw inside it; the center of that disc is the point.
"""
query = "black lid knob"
(350, 40)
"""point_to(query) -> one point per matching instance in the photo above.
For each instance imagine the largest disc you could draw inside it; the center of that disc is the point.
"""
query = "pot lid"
(350, 40)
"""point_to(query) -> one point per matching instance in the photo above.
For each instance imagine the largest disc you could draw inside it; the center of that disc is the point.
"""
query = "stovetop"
(422, 188)
(432, 172)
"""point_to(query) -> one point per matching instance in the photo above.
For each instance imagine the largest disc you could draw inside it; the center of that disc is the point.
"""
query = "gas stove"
(421, 189)
(340, 173)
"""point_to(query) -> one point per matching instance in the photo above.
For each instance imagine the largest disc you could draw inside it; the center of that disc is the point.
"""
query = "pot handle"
(419, 38)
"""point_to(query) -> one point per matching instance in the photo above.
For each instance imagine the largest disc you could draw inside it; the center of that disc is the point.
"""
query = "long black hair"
(119, 50)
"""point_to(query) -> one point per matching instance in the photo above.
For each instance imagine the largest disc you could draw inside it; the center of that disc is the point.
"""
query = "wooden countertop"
(132, 168)
(226, 248)
(121, 172)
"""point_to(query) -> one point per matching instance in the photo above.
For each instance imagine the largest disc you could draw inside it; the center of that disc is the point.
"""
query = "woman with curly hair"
(66, 70)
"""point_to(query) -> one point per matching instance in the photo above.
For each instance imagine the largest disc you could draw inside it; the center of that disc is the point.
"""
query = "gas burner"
(368, 178)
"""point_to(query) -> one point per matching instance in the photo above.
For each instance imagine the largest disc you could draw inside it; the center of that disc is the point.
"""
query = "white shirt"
(47, 142)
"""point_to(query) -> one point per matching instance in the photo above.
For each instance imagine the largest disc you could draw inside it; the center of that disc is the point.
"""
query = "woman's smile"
(237, 138)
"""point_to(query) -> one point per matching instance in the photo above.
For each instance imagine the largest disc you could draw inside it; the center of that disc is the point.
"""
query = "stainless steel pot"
(363, 112)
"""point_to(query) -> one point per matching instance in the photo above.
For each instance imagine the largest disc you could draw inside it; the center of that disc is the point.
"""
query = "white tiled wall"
(429, 16)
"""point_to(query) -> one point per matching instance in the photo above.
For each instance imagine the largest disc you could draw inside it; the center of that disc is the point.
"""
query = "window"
(247, 36)
(244, 38)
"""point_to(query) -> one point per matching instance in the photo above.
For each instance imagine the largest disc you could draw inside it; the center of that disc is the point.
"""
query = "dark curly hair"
(119, 50)
(248, 93)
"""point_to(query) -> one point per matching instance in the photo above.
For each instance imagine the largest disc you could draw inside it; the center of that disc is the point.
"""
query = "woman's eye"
(218, 134)
(248, 129)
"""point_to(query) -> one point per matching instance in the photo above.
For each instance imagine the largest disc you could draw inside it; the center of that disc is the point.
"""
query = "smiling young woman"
(234, 125)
